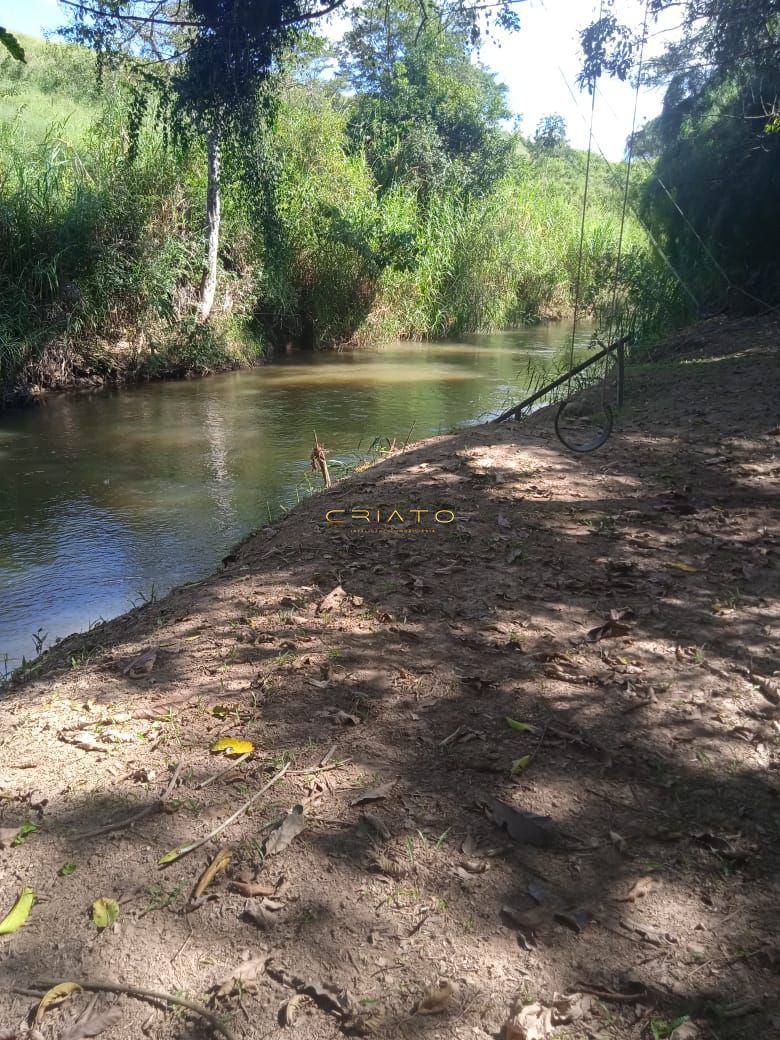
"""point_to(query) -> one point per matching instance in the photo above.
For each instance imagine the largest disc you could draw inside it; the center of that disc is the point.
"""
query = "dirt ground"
(550, 732)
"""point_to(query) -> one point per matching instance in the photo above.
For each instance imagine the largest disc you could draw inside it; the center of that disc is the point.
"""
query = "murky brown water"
(107, 499)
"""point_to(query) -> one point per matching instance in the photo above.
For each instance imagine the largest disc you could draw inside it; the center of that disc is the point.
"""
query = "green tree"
(550, 132)
(425, 111)
(716, 145)
(211, 59)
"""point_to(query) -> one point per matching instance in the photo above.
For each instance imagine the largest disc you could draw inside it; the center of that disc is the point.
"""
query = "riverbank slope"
(592, 640)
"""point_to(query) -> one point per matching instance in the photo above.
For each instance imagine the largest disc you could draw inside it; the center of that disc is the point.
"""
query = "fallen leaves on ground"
(93, 1022)
(524, 827)
(56, 995)
(232, 747)
(334, 599)
(245, 977)
(141, 664)
(641, 887)
(436, 1000)
(374, 794)
(19, 913)
(218, 864)
(104, 912)
(290, 827)
(537, 1021)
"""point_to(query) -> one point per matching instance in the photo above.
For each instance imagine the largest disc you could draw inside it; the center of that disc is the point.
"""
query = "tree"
(424, 109)
(550, 132)
(716, 144)
(211, 60)
(12, 45)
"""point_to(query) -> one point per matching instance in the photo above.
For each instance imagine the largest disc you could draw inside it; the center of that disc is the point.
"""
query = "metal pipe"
(617, 345)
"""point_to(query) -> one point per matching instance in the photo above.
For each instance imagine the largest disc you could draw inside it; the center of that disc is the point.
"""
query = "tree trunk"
(209, 284)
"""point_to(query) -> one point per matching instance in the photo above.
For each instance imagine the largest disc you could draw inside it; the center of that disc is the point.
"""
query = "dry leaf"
(374, 794)
(685, 1031)
(251, 890)
(83, 739)
(686, 568)
(333, 600)
(609, 630)
(7, 834)
(435, 1000)
(376, 824)
(641, 888)
(532, 1022)
(618, 841)
(363, 1024)
(141, 664)
(524, 827)
(528, 921)
(571, 1007)
(104, 912)
(220, 863)
(290, 827)
(55, 996)
(769, 687)
(92, 1022)
(244, 977)
(288, 1012)
(232, 747)
(222, 711)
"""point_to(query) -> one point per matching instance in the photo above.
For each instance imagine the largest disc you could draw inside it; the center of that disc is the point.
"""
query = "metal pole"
(558, 382)
(621, 362)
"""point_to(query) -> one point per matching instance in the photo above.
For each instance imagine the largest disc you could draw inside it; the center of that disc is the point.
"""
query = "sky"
(535, 64)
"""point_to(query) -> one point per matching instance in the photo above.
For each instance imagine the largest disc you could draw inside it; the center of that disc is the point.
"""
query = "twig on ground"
(155, 807)
(186, 849)
(147, 994)
(222, 772)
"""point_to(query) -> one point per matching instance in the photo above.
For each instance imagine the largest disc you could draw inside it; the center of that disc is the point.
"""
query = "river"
(109, 499)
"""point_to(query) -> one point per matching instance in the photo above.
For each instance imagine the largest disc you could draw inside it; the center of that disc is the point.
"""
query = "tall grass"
(101, 256)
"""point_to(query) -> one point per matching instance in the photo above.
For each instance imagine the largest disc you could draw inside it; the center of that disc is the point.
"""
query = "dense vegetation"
(386, 200)
(714, 152)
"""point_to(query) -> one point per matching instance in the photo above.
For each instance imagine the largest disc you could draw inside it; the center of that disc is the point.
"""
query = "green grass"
(102, 246)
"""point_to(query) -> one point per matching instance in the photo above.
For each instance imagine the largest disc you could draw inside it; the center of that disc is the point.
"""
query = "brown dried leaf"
(377, 824)
(641, 888)
(92, 1022)
(532, 1022)
(220, 863)
(83, 739)
(609, 630)
(618, 841)
(528, 921)
(290, 827)
(686, 1031)
(333, 600)
(250, 889)
(141, 664)
(55, 996)
(524, 827)
(374, 794)
(288, 1012)
(245, 976)
(436, 1000)
(769, 687)
(7, 834)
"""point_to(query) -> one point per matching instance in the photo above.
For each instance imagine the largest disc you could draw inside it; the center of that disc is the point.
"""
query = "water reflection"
(106, 498)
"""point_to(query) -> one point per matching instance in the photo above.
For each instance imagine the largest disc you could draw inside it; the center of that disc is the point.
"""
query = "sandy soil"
(620, 608)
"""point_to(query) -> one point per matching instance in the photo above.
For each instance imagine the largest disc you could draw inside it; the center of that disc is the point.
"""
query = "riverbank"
(619, 608)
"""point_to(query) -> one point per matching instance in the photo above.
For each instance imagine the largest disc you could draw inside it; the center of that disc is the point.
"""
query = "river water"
(111, 498)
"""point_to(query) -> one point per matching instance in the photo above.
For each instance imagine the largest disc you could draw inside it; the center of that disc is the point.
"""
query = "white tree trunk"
(209, 284)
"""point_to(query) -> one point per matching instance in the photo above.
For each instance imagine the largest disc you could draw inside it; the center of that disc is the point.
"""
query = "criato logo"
(378, 518)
